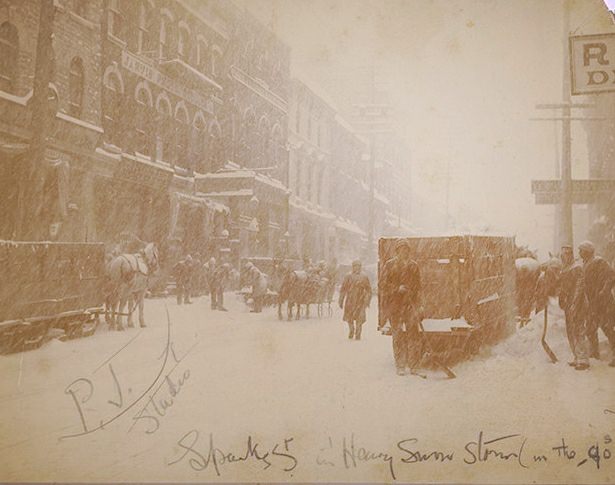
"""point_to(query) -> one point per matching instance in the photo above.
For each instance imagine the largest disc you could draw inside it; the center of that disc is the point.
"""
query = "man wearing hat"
(400, 289)
(599, 281)
(355, 297)
(572, 301)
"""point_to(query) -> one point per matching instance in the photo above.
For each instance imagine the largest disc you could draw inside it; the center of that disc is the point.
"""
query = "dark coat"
(400, 288)
(355, 296)
(572, 291)
(599, 281)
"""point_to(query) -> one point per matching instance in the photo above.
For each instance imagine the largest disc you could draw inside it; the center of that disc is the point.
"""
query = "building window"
(308, 190)
(216, 55)
(182, 137)
(143, 119)
(298, 118)
(183, 43)
(166, 38)
(80, 8)
(75, 87)
(116, 19)
(165, 131)
(145, 28)
(215, 147)
(112, 102)
(9, 52)
(199, 143)
(298, 177)
(201, 55)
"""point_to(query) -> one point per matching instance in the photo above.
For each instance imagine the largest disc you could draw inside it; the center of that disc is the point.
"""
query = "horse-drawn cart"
(467, 293)
(49, 286)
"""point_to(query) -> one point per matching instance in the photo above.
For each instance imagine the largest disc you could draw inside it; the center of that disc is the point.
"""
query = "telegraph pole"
(566, 234)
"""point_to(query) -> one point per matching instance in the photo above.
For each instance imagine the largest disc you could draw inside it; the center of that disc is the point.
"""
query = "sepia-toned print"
(307, 241)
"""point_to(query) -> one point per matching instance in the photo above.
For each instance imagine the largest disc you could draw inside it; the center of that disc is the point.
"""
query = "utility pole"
(372, 167)
(33, 175)
(566, 234)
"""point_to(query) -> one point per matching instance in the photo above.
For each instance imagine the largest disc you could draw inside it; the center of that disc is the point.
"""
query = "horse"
(300, 288)
(127, 283)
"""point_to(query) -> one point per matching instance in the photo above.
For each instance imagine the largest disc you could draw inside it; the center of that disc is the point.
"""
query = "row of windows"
(162, 36)
(312, 190)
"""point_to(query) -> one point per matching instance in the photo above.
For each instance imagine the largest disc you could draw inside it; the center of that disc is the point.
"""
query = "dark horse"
(299, 288)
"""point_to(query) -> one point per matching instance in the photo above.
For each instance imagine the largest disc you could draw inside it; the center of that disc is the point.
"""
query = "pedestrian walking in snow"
(355, 297)
(599, 282)
(401, 287)
(572, 300)
(217, 285)
(258, 280)
(183, 278)
(209, 269)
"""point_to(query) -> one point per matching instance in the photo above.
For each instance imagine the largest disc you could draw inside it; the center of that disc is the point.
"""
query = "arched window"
(165, 133)
(166, 36)
(80, 7)
(143, 116)
(215, 146)
(112, 102)
(9, 52)
(199, 143)
(182, 135)
(75, 87)
(277, 147)
(116, 19)
(146, 27)
(248, 134)
(183, 42)
(201, 54)
(298, 168)
(264, 132)
(216, 55)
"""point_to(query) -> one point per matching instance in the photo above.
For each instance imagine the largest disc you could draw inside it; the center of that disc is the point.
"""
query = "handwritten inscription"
(278, 455)
(148, 408)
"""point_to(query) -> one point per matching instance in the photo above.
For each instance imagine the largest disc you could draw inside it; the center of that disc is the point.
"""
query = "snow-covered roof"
(201, 199)
(229, 193)
(295, 203)
(349, 226)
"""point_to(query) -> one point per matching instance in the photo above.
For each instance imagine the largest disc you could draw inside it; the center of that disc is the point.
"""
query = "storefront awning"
(201, 200)
(349, 226)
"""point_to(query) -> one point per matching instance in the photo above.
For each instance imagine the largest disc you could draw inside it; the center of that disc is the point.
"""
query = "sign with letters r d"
(592, 63)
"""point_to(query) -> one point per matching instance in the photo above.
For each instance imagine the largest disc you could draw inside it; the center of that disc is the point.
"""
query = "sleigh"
(49, 290)
(468, 294)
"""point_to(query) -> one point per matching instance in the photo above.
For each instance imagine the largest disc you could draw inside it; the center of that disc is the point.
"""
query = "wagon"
(468, 292)
(49, 288)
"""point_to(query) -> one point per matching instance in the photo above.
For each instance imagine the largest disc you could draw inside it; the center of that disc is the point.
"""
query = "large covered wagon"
(48, 286)
(468, 285)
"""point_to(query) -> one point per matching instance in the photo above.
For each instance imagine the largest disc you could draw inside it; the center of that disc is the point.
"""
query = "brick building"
(254, 179)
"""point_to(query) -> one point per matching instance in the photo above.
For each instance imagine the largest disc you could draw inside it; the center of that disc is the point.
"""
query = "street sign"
(592, 63)
(583, 191)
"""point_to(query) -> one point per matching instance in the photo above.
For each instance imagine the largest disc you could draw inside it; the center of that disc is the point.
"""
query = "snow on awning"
(349, 226)
(229, 193)
(203, 201)
(294, 204)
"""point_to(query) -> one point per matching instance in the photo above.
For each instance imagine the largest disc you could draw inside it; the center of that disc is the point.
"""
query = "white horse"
(127, 283)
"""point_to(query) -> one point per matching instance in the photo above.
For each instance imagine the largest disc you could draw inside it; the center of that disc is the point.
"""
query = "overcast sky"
(464, 77)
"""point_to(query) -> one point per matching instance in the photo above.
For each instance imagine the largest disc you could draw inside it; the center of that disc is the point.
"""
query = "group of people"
(191, 276)
(586, 296)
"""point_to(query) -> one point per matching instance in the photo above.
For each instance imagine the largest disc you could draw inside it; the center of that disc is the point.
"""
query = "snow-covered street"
(239, 396)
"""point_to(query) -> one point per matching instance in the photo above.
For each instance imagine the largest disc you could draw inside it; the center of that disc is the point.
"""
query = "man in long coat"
(355, 297)
(599, 282)
(400, 290)
(572, 301)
